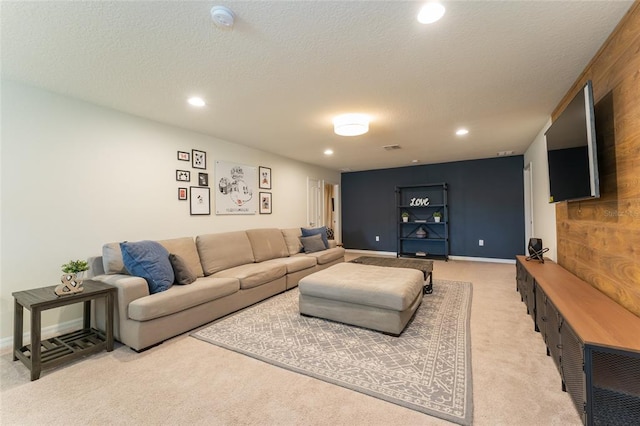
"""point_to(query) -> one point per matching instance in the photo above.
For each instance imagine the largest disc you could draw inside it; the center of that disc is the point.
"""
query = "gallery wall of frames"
(237, 188)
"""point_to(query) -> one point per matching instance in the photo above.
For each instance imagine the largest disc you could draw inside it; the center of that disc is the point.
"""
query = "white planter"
(436, 218)
(405, 219)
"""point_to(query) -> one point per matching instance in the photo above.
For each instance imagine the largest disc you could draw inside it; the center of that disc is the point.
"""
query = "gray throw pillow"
(312, 243)
(307, 232)
(183, 274)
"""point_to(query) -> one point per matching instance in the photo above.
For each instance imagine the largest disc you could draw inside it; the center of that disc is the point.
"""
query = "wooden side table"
(58, 350)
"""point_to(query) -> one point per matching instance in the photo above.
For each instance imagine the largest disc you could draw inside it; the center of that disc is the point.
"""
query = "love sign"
(419, 202)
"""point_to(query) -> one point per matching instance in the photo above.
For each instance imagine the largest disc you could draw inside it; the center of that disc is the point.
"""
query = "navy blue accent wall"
(486, 202)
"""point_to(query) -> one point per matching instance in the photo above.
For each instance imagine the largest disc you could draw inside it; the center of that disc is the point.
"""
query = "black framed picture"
(265, 203)
(183, 175)
(182, 193)
(264, 174)
(200, 200)
(198, 159)
(184, 156)
(203, 179)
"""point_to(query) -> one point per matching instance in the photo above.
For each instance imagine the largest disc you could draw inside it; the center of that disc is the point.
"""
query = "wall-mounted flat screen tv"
(572, 151)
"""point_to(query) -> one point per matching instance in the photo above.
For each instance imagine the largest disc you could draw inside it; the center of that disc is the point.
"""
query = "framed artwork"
(183, 175)
(203, 179)
(235, 188)
(265, 177)
(200, 200)
(198, 159)
(182, 193)
(265, 203)
(184, 156)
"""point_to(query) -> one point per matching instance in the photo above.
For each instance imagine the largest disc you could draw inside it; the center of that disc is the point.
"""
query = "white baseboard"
(483, 259)
(466, 258)
(6, 344)
(380, 253)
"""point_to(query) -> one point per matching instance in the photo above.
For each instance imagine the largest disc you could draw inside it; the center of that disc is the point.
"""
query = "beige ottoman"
(374, 297)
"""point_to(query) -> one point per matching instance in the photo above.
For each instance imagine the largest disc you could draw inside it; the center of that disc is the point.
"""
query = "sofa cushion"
(267, 243)
(292, 239)
(182, 272)
(223, 251)
(322, 231)
(112, 262)
(295, 263)
(149, 260)
(186, 249)
(328, 255)
(312, 243)
(254, 274)
(178, 298)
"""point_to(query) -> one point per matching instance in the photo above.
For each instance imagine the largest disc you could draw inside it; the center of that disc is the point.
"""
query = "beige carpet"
(187, 381)
(427, 368)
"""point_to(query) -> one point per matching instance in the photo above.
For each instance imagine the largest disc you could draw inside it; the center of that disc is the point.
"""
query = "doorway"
(323, 205)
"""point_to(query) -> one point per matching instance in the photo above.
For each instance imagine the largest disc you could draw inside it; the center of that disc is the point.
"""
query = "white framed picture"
(200, 200)
(235, 188)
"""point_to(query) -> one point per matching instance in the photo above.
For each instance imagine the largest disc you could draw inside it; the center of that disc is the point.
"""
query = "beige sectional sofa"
(233, 269)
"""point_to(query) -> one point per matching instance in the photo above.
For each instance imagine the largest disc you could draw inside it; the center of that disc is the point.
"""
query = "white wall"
(544, 214)
(75, 176)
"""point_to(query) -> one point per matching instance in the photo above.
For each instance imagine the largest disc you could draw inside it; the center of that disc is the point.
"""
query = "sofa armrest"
(129, 288)
(333, 244)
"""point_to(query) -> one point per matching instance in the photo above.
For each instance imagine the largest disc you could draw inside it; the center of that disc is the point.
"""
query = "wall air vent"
(391, 147)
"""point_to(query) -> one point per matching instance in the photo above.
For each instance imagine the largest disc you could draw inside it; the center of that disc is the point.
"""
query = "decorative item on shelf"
(437, 216)
(72, 277)
(421, 233)
(405, 216)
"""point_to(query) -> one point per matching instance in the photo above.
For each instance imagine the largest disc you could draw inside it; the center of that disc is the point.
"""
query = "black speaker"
(535, 249)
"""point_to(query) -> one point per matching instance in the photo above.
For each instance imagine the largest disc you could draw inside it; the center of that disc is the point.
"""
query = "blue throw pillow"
(307, 232)
(149, 260)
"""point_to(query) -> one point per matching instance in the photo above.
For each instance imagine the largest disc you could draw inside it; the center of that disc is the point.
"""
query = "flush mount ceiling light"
(351, 124)
(430, 13)
(222, 16)
(461, 132)
(196, 101)
(328, 152)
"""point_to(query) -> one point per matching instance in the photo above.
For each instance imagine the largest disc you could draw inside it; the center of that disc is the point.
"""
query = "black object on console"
(535, 249)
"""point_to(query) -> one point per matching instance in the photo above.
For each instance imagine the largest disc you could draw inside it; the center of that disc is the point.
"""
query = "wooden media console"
(594, 342)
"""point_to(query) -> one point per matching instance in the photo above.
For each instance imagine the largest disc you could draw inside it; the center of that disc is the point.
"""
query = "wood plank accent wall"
(599, 240)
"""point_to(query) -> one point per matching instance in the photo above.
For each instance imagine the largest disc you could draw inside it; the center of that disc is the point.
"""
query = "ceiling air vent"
(391, 147)
(504, 153)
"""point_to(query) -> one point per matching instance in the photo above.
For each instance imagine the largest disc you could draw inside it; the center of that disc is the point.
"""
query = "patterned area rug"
(427, 368)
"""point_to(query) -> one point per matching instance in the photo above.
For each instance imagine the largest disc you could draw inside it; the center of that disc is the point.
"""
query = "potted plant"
(75, 266)
(437, 216)
(72, 277)
(405, 216)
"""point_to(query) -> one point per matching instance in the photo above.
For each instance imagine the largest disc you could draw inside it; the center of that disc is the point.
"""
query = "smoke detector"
(222, 16)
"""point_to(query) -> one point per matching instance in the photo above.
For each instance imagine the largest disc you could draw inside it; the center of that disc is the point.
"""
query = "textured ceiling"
(276, 79)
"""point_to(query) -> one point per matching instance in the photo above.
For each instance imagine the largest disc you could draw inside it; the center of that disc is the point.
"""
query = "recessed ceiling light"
(430, 13)
(328, 152)
(461, 132)
(415, 161)
(197, 102)
(351, 124)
